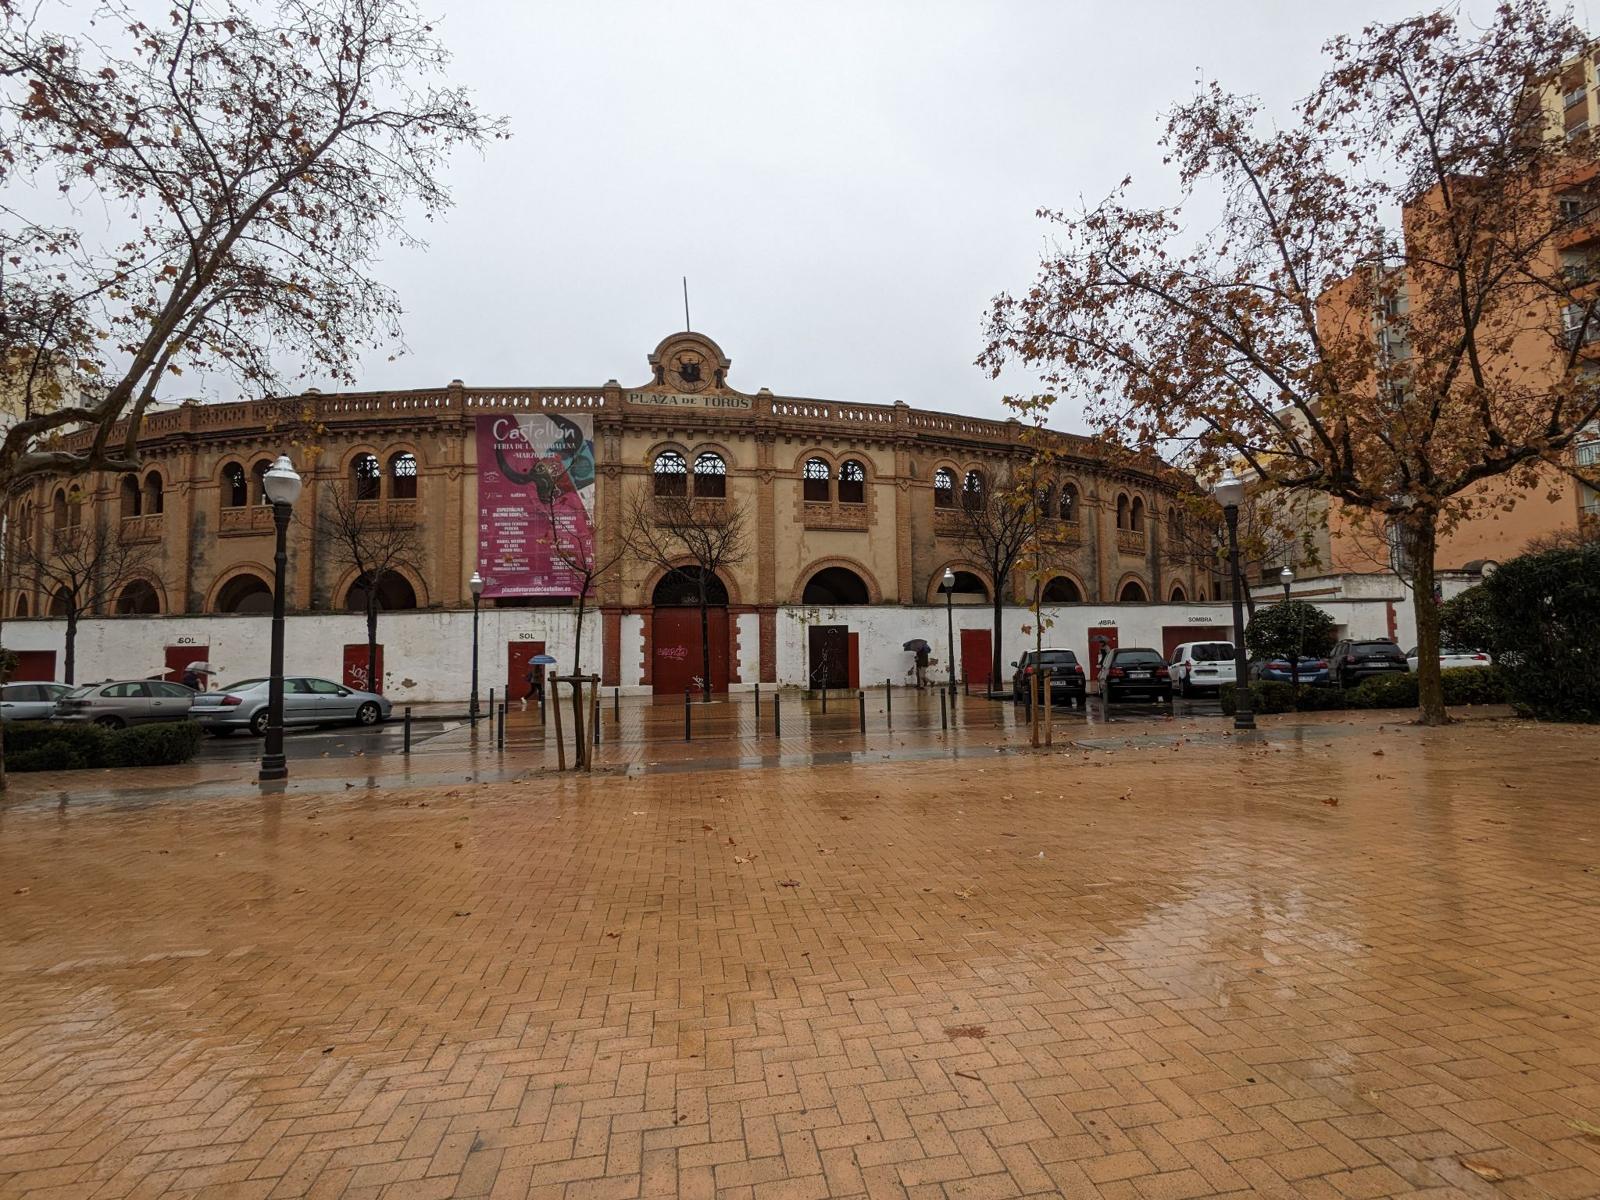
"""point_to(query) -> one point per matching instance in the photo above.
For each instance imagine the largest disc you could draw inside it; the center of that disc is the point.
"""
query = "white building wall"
(428, 655)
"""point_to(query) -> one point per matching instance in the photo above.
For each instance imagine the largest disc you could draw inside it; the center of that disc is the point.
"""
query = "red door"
(179, 658)
(977, 657)
(520, 673)
(676, 660)
(1100, 637)
(34, 666)
(355, 668)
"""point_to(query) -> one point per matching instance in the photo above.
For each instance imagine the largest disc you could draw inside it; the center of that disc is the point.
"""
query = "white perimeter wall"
(428, 655)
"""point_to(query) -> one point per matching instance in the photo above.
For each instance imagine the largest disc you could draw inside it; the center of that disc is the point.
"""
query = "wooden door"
(179, 657)
(675, 656)
(355, 668)
(977, 657)
(33, 665)
(520, 673)
(1100, 638)
(828, 664)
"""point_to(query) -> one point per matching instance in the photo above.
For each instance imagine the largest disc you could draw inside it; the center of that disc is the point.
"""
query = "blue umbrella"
(542, 660)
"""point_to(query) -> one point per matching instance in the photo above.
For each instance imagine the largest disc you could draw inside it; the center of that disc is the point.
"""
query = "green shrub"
(1271, 696)
(1317, 699)
(1288, 628)
(1546, 637)
(1474, 685)
(1466, 621)
(51, 746)
(1384, 691)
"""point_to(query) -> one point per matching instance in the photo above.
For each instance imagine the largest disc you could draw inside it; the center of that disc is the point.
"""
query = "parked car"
(1066, 675)
(1355, 659)
(1453, 657)
(1135, 671)
(1314, 671)
(30, 701)
(307, 700)
(1202, 666)
(119, 702)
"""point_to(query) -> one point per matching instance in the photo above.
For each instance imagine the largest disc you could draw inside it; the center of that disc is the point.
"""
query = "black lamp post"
(948, 587)
(282, 486)
(1230, 494)
(1286, 577)
(476, 584)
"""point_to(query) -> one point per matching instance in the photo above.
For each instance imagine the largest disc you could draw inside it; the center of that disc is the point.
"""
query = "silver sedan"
(307, 700)
(30, 701)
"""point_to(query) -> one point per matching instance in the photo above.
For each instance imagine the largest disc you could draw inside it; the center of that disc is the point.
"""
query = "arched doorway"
(835, 585)
(138, 598)
(394, 593)
(679, 637)
(1133, 593)
(244, 594)
(1061, 590)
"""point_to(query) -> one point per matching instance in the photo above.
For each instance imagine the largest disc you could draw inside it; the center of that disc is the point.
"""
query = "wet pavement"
(1343, 958)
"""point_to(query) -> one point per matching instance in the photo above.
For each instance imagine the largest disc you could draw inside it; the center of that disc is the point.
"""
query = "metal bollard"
(944, 715)
(888, 697)
(688, 730)
(861, 696)
(501, 737)
(758, 708)
(616, 704)
(824, 698)
(776, 698)
(965, 689)
(491, 709)
(407, 749)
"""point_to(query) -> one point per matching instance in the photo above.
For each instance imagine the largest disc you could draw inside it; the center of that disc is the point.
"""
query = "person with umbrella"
(920, 649)
(196, 676)
(536, 666)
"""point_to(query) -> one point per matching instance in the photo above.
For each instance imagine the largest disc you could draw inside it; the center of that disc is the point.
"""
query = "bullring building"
(851, 514)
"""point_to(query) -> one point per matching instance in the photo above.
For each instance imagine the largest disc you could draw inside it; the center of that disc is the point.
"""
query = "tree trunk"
(1423, 535)
(70, 665)
(374, 684)
(577, 641)
(999, 605)
(705, 648)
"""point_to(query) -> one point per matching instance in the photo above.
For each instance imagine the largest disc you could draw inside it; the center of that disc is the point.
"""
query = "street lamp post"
(1230, 494)
(282, 485)
(1286, 577)
(948, 587)
(476, 584)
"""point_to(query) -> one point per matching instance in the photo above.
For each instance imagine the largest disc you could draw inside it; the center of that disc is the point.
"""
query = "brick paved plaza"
(1350, 960)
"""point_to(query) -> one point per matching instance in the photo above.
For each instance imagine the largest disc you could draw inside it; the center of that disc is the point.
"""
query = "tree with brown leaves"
(1416, 371)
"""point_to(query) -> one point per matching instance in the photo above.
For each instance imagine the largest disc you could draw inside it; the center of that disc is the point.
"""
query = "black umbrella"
(915, 644)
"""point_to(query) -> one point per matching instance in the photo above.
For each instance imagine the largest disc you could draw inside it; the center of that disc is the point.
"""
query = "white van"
(1202, 667)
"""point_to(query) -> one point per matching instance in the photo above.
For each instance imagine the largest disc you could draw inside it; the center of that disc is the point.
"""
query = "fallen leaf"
(1592, 1132)
(708, 828)
(458, 845)
(788, 883)
(977, 1032)
(743, 861)
(1332, 802)
(1483, 1170)
(22, 891)
(613, 935)
(965, 893)
(462, 912)
(1378, 751)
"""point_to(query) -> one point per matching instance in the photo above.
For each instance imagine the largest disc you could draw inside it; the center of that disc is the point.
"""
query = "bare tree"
(366, 536)
(583, 558)
(1000, 519)
(693, 539)
(81, 569)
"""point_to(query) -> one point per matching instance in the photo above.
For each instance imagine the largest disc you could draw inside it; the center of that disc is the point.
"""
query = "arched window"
(944, 488)
(710, 476)
(1133, 593)
(154, 493)
(681, 586)
(58, 510)
(1175, 522)
(245, 594)
(403, 476)
(258, 481)
(671, 474)
(61, 602)
(139, 597)
(132, 500)
(972, 490)
(1122, 512)
(1044, 502)
(1068, 502)
(22, 606)
(1136, 515)
(1062, 590)
(967, 586)
(235, 493)
(394, 593)
(815, 478)
(852, 482)
(1178, 594)
(835, 585)
(366, 477)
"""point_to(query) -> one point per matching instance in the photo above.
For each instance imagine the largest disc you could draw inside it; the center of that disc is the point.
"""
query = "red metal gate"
(1102, 638)
(977, 657)
(33, 665)
(355, 668)
(179, 658)
(676, 660)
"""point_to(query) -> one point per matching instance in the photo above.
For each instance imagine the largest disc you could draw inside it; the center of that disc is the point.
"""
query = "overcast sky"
(845, 184)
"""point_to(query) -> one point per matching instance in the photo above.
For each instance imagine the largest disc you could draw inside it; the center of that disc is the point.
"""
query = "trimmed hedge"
(1462, 685)
(53, 746)
(1541, 614)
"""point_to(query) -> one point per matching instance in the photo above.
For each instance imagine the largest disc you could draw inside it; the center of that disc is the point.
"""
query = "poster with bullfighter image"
(535, 492)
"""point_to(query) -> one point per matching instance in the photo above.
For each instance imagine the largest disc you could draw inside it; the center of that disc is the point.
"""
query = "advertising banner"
(535, 503)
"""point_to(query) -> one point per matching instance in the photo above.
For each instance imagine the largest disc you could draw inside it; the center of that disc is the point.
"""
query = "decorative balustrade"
(245, 521)
(1131, 541)
(144, 528)
(830, 514)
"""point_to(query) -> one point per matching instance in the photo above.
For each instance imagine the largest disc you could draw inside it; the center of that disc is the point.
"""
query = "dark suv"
(1355, 660)
(1066, 675)
(1136, 670)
